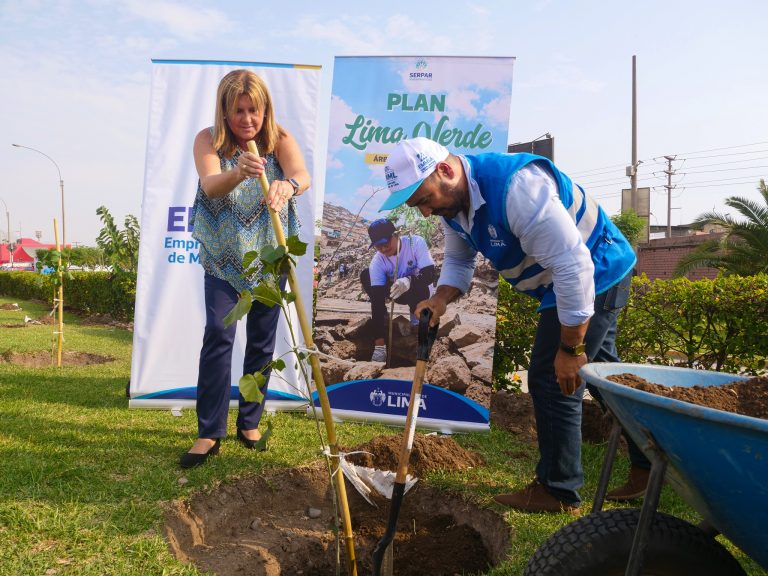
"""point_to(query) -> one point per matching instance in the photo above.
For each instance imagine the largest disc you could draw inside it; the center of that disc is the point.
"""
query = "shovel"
(427, 337)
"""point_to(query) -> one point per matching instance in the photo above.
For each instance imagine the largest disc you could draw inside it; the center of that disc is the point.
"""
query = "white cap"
(408, 165)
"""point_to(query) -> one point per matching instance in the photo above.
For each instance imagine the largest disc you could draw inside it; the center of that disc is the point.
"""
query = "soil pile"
(745, 397)
(429, 453)
(281, 523)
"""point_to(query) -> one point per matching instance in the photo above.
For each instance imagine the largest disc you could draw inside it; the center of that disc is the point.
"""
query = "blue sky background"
(76, 82)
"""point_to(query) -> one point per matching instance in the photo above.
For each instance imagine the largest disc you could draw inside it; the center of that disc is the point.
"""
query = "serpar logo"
(378, 397)
(421, 65)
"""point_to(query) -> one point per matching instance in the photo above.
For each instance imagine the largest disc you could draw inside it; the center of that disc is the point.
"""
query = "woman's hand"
(280, 191)
(250, 166)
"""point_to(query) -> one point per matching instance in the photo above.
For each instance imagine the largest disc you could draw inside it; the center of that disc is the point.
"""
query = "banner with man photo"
(170, 306)
(375, 267)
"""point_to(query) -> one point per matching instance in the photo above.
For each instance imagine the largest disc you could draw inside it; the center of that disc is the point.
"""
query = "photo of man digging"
(391, 264)
(401, 270)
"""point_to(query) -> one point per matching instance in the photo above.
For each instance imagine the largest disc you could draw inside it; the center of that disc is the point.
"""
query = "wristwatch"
(577, 350)
(295, 185)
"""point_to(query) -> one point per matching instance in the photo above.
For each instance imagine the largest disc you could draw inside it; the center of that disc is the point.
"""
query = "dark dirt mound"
(106, 320)
(44, 359)
(282, 523)
(513, 412)
(429, 453)
(746, 397)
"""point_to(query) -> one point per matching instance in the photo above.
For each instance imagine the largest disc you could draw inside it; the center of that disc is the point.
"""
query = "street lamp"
(8, 218)
(61, 184)
(8, 246)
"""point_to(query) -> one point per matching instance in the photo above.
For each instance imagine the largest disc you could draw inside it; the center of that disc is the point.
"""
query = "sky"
(76, 86)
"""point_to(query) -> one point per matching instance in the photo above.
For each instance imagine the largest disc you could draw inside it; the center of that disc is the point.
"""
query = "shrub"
(719, 324)
(90, 292)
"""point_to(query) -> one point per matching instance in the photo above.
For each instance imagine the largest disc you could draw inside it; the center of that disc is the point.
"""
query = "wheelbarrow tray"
(717, 461)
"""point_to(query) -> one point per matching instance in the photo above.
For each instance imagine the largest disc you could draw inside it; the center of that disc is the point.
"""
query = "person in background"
(408, 255)
(230, 219)
(549, 240)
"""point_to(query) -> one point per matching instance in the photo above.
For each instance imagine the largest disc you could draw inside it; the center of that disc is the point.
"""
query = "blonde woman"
(230, 219)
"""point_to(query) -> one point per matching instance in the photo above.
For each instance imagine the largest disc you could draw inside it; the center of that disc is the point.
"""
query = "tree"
(87, 257)
(743, 248)
(120, 247)
(415, 223)
(630, 224)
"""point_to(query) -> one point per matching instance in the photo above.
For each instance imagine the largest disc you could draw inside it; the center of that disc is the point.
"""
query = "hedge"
(719, 324)
(89, 292)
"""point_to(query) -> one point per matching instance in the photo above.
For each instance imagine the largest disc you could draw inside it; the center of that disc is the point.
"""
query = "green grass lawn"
(84, 480)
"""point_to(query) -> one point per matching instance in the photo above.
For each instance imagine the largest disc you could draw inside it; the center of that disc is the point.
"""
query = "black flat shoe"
(191, 460)
(260, 444)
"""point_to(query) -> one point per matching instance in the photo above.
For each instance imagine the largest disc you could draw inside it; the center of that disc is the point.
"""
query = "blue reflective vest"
(612, 254)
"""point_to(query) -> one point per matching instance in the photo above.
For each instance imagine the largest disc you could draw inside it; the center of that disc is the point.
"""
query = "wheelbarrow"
(716, 461)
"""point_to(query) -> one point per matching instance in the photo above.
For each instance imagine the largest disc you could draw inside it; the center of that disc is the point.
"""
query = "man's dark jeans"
(558, 417)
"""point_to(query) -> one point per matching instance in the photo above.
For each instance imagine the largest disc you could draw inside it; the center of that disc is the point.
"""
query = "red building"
(659, 257)
(23, 254)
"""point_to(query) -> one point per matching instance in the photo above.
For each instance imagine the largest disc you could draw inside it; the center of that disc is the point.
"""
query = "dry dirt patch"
(43, 359)
(263, 525)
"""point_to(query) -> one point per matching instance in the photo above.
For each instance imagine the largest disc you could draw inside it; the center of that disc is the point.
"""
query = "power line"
(726, 169)
(730, 154)
(590, 182)
(656, 158)
(723, 148)
(729, 162)
(721, 185)
(725, 179)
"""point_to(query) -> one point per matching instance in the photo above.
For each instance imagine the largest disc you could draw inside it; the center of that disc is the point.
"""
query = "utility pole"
(669, 172)
(633, 175)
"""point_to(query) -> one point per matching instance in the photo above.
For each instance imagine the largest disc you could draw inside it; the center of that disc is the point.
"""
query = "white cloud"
(368, 36)
(461, 104)
(497, 111)
(341, 114)
(565, 74)
(180, 20)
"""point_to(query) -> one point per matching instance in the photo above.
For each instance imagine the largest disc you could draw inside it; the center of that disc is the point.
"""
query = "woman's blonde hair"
(231, 87)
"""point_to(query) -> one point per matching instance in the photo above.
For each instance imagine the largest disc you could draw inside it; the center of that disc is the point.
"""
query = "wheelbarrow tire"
(600, 543)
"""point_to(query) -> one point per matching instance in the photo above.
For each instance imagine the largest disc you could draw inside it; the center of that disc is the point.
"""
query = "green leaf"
(242, 308)
(278, 364)
(249, 258)
(272, 254)
(266, 294)
(251, 385)
(296, 246)
(289, 297)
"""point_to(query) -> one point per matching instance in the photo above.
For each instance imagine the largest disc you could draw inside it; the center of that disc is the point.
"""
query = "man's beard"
(450, 211)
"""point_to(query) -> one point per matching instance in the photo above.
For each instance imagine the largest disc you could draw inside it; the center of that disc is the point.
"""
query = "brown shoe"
(633, 488)
(534, 498)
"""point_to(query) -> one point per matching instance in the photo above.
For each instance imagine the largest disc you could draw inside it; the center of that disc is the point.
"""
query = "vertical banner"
(464, 104)
(170, 310)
